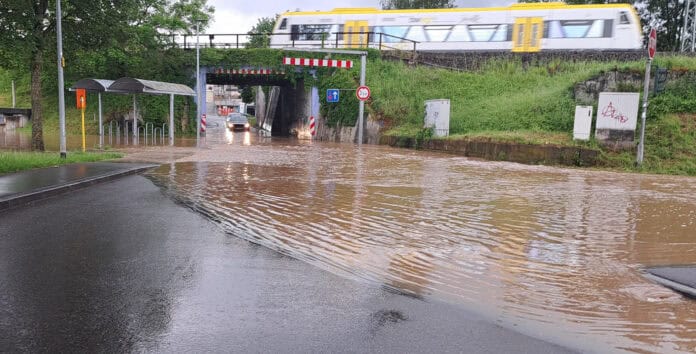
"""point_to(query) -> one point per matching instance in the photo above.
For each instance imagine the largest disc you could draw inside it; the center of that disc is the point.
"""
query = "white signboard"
(617, 110)
(583, 122)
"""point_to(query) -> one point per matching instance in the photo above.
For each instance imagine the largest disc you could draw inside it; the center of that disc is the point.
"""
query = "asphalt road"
(120, 267)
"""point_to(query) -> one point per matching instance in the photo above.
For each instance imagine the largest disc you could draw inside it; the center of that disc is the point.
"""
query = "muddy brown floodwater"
(557, 253)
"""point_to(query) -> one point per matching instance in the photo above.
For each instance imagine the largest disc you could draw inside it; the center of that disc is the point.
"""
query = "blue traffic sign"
(332, 95)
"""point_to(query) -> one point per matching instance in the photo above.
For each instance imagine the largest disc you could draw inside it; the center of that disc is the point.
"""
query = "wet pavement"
(23, 187)
(679, 278)
(120, 267)
(557, 254)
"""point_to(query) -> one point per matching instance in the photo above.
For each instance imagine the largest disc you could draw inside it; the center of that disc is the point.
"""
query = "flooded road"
(554, 252)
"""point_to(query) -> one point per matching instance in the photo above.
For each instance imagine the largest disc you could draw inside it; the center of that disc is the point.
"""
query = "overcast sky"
(240, 15)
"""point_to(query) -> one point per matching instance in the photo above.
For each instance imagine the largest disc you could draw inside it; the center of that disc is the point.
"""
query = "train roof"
(513, 7)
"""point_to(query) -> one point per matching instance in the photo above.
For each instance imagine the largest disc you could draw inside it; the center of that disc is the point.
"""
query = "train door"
(527, 34)
(356, 34)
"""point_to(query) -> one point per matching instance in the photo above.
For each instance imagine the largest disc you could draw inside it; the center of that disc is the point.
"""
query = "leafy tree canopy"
(261, 32)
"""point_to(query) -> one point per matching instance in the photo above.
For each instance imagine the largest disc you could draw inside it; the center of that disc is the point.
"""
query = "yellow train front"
(529, 27)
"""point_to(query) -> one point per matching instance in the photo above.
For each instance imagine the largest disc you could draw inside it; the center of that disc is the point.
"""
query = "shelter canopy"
(93, 85)
(131, 85)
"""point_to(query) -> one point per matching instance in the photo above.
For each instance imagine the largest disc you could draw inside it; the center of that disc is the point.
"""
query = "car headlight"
(246, 125)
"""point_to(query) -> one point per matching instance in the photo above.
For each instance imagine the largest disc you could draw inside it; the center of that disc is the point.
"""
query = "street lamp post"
(198, 88)
(61, 84)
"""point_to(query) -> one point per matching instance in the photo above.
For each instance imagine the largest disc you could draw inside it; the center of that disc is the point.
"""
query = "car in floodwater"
(237, 121)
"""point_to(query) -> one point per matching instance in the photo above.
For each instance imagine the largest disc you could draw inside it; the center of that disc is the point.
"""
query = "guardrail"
(376, 40)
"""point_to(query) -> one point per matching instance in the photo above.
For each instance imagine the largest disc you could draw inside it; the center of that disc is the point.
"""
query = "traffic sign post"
(363, 93)
(652, 48)
(332, 95)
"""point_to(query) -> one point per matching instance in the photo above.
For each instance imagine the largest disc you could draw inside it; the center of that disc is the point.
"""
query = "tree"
(28, 34)
(261, 32)
(416, 4)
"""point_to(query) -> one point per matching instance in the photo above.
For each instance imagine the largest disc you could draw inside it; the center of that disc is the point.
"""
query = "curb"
(21, 199)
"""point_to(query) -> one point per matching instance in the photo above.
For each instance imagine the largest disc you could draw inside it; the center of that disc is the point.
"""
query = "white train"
(525, 27)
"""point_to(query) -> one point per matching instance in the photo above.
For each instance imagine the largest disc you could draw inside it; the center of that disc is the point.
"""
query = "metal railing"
(376, 40)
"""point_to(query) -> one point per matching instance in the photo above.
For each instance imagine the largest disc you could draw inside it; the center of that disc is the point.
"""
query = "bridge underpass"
(283, 110)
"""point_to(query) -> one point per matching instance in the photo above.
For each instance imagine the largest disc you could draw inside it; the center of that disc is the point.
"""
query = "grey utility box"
(437, 116)
(583, 123)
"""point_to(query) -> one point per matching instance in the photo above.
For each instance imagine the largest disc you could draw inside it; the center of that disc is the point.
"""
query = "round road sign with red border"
(652, 43)
(363, 93)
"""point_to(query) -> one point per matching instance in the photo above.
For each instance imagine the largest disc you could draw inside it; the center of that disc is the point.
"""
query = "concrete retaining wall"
(474, 60)
(491, 150)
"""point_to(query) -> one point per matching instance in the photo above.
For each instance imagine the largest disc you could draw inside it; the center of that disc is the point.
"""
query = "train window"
(519, 41)
(331, 35)
(416, 33)
(437, 33)
(394, 34)
(535, 34)
(501, 34)
(608, 28)
(624, 19)
(294, 32)
(313, 32)
(482, 33)
(597, 30)
(459, 34)
(555, 29)
(283, 24)
(576, 28)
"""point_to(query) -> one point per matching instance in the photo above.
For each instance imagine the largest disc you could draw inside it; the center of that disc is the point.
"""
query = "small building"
(13, 118)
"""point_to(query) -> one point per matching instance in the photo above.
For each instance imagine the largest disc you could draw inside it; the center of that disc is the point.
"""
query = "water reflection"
(21, 140)
(561, 250)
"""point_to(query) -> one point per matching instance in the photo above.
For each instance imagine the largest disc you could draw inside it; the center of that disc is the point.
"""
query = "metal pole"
(84, 144)
(198, 90)
(363, 63)
(101, 127)
(61, 84)
(14, 100)
(171, 120)
(691, 9)
(646, 90)
(686, 23)
(135, 122)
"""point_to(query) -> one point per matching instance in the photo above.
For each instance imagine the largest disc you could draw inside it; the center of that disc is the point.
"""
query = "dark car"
(237, 121)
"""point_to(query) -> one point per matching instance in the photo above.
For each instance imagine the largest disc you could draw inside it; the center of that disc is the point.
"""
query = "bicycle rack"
(146, 125)
(154, 136)
(164, 125)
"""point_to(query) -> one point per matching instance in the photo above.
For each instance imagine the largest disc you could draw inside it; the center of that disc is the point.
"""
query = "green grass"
(502, 97)
(19, 161)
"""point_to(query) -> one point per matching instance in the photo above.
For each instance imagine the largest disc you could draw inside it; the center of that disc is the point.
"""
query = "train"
(522, 27)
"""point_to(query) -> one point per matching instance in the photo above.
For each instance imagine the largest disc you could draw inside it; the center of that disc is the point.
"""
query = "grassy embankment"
(508, 103)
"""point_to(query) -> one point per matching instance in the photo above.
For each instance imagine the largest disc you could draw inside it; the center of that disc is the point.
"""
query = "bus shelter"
(127, 85)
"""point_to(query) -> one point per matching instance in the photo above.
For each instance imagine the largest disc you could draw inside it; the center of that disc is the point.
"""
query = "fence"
(375, 40)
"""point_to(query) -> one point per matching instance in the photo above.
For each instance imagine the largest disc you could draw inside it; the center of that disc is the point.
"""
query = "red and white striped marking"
(329, 63)
(312, 126)
(249, 71)
(202, 123)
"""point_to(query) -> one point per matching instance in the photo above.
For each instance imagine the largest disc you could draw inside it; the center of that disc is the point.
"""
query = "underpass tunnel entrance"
(279, 105)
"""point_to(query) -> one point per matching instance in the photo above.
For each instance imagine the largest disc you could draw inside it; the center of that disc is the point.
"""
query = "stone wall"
(491, 150)
(371, 133)
(475, 60)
